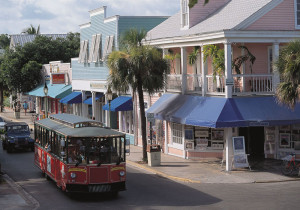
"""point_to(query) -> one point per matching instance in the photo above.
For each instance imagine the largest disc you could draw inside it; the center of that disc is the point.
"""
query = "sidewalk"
(174, 168)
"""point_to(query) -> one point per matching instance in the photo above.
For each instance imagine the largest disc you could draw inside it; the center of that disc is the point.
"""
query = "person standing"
(25, 106)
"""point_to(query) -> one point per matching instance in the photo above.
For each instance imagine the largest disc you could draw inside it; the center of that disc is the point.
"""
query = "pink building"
(199, 115)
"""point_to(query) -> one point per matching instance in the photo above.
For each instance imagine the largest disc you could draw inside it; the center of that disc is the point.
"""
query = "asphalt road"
(149, 191)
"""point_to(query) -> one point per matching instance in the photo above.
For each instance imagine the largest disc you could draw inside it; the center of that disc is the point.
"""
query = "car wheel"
(3, 146)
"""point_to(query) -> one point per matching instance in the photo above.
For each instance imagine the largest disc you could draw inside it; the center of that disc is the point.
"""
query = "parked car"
(17, 137)
(2, 123)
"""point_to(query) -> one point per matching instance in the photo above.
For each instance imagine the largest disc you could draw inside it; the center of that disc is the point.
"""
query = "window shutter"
(97, 50)
(84, 53)
(105, 49)
(111, 44)
(81, 51)
(92, 49)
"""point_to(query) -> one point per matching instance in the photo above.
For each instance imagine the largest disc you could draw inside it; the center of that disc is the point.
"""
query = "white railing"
(194, 83)
(215, 85)
(259, 84)
(174, 82)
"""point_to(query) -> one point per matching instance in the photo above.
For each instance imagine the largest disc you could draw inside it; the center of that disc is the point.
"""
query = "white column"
(228, 70)
(276, 79)
(130, 121)
(94, 105)
(84, 106)
(37, 105)
(165, 52)
(184, 69)
(120, 121)
(107, 114)
(166, 137)
(126, 120)
(203, 72)
(229, 149)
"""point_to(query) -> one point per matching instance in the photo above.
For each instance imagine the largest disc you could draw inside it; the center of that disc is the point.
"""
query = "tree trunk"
(143, 119)
(1, 98)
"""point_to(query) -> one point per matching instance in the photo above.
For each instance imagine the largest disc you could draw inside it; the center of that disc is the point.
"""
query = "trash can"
(153, 155)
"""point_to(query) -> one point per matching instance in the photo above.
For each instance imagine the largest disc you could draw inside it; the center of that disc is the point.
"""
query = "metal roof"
(15, 123)
(57, 124)
(22, 39)
(228, 17)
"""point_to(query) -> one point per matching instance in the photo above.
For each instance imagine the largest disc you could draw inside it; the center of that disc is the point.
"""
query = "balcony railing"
(174, 82)
(243, 84)
(194, 83)
(259, 84)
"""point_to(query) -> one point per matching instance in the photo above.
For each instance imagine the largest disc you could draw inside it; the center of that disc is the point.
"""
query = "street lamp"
(109, 98)
(46, 93)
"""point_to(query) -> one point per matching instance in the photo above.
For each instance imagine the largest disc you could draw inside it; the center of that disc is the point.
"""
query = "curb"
(26, 196)
(174, 178)
(277, 181)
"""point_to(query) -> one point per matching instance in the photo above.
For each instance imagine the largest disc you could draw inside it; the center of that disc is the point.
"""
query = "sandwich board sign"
(240, 159)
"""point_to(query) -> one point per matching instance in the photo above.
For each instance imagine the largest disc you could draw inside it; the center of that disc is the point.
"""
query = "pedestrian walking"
(25, 106)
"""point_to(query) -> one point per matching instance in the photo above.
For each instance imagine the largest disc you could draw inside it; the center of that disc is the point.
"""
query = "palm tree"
(288, 65)
(140, 67)
(31, 30)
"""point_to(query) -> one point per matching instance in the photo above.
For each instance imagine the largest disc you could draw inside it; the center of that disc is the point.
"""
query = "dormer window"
(297, 14)
(184, 14)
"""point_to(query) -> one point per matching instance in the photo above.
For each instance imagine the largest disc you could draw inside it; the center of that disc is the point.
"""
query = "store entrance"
(254, 140)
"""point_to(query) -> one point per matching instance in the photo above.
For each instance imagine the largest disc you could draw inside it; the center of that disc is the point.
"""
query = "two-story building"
(199, 113)
(89, 72)
(57, 76)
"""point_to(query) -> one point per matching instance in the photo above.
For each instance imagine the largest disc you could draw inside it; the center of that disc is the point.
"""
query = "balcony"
(244, 84)
(174, 82)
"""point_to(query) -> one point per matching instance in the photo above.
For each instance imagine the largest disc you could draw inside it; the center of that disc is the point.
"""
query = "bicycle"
(290, 165)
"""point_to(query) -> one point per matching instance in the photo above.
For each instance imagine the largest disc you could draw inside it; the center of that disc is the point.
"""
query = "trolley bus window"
(77, 151)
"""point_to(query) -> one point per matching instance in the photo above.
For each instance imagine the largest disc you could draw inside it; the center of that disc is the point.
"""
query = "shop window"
(108, 47)
(83, 54)
(289, 136)
(208, 138)
(177, 133)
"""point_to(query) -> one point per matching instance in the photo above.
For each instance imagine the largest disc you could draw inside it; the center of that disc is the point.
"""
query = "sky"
(63, 16)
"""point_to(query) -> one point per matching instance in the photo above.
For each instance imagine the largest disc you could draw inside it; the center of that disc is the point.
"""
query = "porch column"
(184, 69)
(276, 79)
(130, 122)
(94, 105)
(120, 120)
(203, 72)
(229, 149)
(228, 70)
(165, 52)
(84, 106)
(37, 105)
(126, 120)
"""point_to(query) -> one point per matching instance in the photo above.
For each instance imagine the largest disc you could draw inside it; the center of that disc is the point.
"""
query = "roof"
(22, 39)
(67, 130)
(15, 123)
(220, 20)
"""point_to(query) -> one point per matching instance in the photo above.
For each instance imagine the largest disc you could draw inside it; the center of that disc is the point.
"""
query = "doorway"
(254, 141)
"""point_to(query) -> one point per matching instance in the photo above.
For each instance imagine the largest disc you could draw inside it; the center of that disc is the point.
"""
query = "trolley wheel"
(286, 168)
(114, 194)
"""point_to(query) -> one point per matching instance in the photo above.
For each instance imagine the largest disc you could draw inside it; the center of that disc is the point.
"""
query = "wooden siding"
(94, 71)
(200, 11)
(281, 17)
(146, 23)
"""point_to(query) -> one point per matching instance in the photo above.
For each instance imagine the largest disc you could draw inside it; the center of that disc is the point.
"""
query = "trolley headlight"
(122, 173)
(73, 175)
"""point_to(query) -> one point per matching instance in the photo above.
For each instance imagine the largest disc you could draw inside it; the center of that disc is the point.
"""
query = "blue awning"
(54, 90)
(73, 98)
(89, 101)
(122, 103)
(222, 112)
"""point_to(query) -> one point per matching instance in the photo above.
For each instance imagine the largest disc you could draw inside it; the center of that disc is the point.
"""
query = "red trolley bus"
(80, 155)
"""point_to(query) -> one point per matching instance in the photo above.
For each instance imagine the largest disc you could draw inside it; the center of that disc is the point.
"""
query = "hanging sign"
(58, 78)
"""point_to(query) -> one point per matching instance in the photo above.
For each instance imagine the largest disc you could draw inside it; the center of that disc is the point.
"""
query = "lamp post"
(109, 98)
(46, 100)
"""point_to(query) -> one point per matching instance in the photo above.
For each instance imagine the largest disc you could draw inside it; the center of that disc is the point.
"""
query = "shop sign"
(259, 124)
(47, 77)
(150, 117)
(94, 85)
(58, 78)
